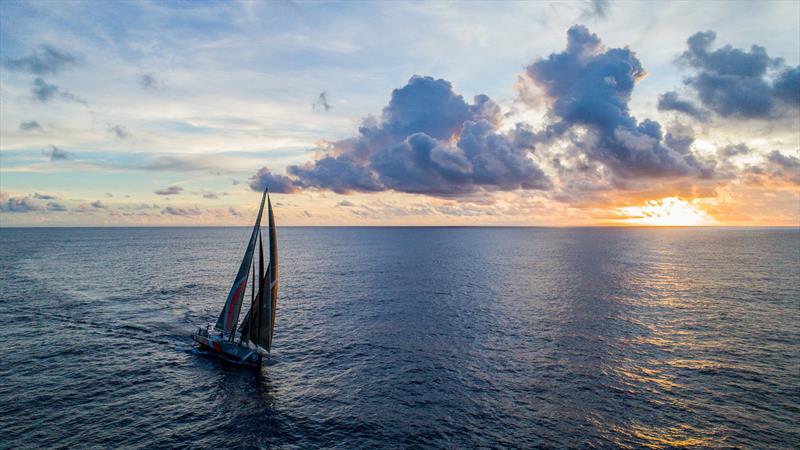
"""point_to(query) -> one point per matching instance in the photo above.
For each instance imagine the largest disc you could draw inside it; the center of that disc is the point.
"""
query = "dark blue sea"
(407, 337)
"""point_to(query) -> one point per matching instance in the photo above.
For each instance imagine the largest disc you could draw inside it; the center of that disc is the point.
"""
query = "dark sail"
(250, 320)
(247, 322)
(273, 270)
(230, 312)
(259, 317)
(259, 323)
(257, 311)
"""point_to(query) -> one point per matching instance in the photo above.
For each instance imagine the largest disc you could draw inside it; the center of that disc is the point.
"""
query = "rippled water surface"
(404, 337)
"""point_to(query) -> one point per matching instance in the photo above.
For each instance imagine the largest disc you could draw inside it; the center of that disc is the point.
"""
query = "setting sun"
(669, 211)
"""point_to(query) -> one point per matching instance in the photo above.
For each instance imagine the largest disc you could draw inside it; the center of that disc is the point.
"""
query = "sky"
(400, 113)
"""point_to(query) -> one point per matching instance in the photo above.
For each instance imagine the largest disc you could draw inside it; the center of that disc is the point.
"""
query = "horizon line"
(409, 226)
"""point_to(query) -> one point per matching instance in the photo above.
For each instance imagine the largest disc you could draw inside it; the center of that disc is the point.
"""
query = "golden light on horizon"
(669, 211)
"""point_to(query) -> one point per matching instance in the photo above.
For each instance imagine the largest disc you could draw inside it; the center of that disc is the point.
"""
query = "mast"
(228, 317)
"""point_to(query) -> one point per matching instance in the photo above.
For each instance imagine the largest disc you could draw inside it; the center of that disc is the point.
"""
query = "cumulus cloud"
(30, 126)
(321, 104)
(44, 92)
(670, 101)
(276, 183)
(786, 87)
(428, 140)
(97, 205)
(733, 82)
(45, 61)
(733, 150)
(184, 212)
(56, 154)
(776, 169)
(210, 196)
(17, 204)
(339, 173)
(588, 87)
(171, 190)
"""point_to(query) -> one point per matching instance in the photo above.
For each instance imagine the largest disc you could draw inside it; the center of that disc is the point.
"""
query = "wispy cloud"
(56, 154)
(44, 92)
(171, 190)
(149, 81)
(176, 163)
(119, 131)
(596, 8)
(184, 212)
(39, 196)
(56, 207)
(46, 60)
(321, 104)
(30, 125)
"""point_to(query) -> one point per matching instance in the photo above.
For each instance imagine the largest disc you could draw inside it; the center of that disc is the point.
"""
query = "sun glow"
(669, 211)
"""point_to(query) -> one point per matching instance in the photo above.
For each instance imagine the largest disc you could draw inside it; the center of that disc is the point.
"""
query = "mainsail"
(230, 312)
(250, 329)
(259, 323)
(273, 272)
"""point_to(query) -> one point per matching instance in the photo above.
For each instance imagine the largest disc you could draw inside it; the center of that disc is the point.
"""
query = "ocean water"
(407, 337)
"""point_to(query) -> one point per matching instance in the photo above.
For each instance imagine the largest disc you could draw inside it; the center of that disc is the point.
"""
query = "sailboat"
(247, 342)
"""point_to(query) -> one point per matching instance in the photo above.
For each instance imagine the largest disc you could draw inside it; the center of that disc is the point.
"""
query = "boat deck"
(221, 346)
